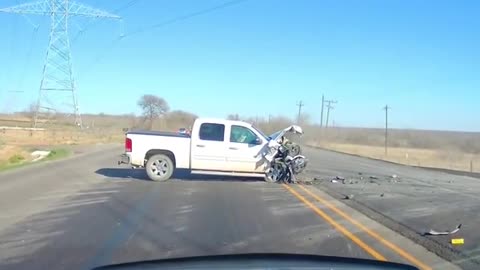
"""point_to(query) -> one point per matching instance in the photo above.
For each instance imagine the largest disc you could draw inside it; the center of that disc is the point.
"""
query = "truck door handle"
(200, 145)
(233, 148)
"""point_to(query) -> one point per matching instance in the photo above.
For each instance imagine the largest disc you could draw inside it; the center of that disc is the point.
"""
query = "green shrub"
(16, 159)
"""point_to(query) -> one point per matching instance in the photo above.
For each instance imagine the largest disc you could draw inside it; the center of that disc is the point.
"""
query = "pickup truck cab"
(215, 147)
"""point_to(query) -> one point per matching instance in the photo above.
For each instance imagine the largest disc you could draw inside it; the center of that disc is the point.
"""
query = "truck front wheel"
(159, 167)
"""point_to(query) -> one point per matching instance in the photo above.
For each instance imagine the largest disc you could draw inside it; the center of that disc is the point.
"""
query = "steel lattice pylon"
(57, 88)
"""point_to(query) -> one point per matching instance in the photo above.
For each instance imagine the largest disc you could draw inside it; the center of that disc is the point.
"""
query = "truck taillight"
(128, 145)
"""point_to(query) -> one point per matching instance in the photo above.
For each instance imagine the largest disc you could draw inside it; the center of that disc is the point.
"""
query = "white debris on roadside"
(38, 155)
(433, 232)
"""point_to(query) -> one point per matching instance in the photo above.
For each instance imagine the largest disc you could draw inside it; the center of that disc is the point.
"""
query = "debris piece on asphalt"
(345, 181)
(38, 155)
(394, 176)
(458, 241)
(348, 197)
(360, 173)
(433, 232)
(361, 177)
(334, 181)
(382, 195)
(339, 178)
(373, 177)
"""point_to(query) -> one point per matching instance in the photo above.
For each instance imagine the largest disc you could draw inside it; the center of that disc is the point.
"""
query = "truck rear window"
(212, 132)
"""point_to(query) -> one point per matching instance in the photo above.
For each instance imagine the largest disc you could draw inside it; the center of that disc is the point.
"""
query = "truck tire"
(273, 174)
(159, 167)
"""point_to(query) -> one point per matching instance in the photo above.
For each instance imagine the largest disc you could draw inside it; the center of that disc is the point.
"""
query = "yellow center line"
(385, 242)
(337, 226)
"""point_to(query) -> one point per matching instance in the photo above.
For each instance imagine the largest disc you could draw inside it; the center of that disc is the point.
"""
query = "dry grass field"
(17, 144)
(439, 149)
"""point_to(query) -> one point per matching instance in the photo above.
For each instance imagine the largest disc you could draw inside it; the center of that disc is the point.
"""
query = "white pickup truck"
(215, 147)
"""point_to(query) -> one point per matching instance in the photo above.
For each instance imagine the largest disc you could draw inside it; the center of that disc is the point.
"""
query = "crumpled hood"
(291, 129)
(274, 143)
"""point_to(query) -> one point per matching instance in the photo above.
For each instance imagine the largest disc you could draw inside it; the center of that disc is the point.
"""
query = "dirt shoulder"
(409, 200)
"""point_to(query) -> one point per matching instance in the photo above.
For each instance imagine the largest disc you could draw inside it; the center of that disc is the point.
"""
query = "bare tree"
(233, 117)
(153, 107)
(180, 119)
(30, 111)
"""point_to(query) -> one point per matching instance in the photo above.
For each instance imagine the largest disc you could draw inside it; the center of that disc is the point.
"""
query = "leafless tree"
(153, 107)
(233, 117)
(180, 119)
(30, 111)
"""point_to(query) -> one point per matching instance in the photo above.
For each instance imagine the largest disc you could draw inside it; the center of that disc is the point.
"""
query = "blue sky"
(259, 57)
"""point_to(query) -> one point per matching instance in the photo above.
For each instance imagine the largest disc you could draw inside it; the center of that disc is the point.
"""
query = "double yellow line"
(375, 254)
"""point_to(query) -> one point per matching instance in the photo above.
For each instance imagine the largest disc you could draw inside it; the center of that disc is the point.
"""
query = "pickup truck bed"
(158, 133)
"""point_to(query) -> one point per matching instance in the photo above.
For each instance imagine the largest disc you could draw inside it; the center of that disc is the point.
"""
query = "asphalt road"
(85, 211)
(409, 200)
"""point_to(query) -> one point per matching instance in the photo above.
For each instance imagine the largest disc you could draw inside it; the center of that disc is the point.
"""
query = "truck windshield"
(261, 133)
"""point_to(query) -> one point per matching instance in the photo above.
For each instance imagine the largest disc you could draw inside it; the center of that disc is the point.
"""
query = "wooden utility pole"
(386, 108)
(300, 105)
(329, 107)
(321, 114)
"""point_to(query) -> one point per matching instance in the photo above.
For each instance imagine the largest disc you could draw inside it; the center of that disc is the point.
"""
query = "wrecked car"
(214, 147)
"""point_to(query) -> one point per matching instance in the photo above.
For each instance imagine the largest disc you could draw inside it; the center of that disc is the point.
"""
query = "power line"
(171, 21)
(186, 16)
(93, 23)
(127, 5)
(29, 55)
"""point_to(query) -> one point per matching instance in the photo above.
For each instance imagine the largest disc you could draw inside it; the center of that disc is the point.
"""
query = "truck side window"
(212, 132)
(241, 134)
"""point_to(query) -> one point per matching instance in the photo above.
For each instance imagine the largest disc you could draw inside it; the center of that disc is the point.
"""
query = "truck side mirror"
(257, 141)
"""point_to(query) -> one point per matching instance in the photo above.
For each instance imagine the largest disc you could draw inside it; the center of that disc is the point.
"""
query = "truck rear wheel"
(159, 167)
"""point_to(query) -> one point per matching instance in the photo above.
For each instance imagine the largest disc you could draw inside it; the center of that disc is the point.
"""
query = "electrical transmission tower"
(57, 88)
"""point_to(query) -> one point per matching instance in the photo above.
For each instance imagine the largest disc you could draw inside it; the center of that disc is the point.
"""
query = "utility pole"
(329, 107)
(321, 114)
(57, 86)
(386, 108)
(300, 104)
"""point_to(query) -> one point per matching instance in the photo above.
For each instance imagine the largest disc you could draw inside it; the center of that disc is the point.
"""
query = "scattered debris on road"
(373, 177)
(433, 232)
(337, 179)
(348, 197)
(382, 195)
(394, 176)
(38, 155)
(458, 241)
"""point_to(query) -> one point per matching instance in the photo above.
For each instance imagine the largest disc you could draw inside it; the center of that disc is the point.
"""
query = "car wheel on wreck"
(275, 173)
(294, 149)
